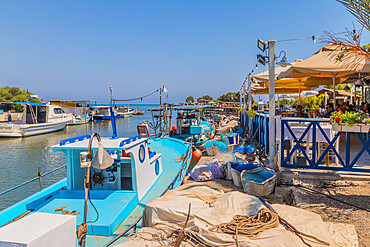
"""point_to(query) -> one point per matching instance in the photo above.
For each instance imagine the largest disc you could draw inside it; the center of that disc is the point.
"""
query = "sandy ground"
(330, 210)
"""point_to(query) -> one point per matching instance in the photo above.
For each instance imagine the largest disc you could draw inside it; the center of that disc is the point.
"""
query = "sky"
(193, 47)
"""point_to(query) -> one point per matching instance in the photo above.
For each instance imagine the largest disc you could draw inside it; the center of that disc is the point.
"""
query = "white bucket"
(236, 177)
(212, 150)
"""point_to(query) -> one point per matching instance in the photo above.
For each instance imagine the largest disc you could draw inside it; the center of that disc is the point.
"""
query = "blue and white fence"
(313, 139)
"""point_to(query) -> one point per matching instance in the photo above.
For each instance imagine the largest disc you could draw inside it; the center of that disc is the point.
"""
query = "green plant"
(251, 113)
(349, 118)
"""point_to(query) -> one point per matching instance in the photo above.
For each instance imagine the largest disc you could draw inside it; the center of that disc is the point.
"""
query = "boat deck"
(108, 219)
(170, 170)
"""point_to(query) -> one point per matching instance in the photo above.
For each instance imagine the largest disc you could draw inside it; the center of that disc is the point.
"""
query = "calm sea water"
(20, 158)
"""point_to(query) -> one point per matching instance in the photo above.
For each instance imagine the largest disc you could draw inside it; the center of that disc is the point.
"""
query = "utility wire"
(142, 97)
(318, 36)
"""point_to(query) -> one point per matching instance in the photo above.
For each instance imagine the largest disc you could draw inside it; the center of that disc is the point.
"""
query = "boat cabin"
(117, 189)
(185, 121)
(37, 113)
(100, 110)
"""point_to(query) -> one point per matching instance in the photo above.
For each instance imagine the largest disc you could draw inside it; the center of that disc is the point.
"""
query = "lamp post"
(272, 135)
(250, 102)
(164, 90)
(111, 95)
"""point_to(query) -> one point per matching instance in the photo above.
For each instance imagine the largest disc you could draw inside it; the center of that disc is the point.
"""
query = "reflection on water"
(20, 158)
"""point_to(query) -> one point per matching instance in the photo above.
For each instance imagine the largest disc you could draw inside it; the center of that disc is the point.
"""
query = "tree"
(189, 99)
(14, 94)
(339, 87)
(205, 97)
(310, 102)
(229, 97)
(359, 9)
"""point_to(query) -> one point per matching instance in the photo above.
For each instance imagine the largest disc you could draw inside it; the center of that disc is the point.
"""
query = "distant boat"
(137, 112)
(37, 118)
(100, 113)
(190, 125)
(123, 111)
(80, 120)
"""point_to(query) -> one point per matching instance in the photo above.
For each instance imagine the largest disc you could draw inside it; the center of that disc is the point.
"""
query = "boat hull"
(78, 121)
(57, 195)
(102, 118)
(24, 130)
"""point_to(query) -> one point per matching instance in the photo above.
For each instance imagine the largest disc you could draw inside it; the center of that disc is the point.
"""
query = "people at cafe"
(343, 107)
(329, 108)
(299, 112)
(351, 108)
(366, 108)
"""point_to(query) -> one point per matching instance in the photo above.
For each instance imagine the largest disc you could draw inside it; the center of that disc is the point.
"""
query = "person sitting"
(9, 116)
(351, 108)
(343, 107)
(299, 112)
(366, 108)
(329, 108)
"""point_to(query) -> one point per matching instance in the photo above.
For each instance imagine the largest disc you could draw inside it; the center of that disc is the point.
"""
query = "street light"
(284, 60)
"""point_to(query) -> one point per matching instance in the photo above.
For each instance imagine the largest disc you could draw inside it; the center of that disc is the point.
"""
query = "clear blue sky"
(194, 47)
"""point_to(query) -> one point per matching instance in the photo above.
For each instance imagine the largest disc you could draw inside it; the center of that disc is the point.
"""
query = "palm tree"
(360, 9)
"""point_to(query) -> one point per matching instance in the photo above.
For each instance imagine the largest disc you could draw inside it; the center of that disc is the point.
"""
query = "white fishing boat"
(124, 111)
(37, 118)
(80, 120)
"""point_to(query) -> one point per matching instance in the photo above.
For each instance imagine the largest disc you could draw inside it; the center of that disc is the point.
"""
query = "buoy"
(195, 157)
(211, 136)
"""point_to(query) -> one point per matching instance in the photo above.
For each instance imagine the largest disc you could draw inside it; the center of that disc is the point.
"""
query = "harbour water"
(21, 158)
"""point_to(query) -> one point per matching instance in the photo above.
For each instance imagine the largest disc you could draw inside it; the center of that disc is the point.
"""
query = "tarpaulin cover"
(226, 127)
(210, 207)
(250, 149)
(241, 165)
(221, 146)
(206, 172)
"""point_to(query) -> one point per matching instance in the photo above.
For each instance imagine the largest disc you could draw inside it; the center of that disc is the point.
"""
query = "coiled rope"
(252, 226)
(249, 225)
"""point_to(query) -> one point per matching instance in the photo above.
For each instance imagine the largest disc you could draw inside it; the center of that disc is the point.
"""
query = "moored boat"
(189, 124)
(141, 170)
(77, 120)
(37, 118)
(100, 113)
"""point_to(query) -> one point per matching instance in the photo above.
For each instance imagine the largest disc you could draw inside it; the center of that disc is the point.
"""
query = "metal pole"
(299, 92)
(334, 98)
(272, 144)
(250, 102)
(111, 95)
(160, 109)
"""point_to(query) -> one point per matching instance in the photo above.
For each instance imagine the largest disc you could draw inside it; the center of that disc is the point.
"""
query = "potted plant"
(350, 121)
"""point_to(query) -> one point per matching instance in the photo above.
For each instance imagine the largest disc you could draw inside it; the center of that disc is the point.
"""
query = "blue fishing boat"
(110, 178)
(101, 113)
(189, 125)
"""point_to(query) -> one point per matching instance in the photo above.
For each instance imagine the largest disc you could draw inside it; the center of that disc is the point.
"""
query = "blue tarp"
(222, 146)
(250, 149)
(241, 165)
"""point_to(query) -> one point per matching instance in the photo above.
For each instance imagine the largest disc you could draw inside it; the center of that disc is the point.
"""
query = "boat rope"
(141, 98)
(66, 212)
(252, 226)
(249, 225)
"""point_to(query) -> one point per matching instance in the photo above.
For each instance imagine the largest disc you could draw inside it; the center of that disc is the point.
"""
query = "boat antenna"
(106, 70)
